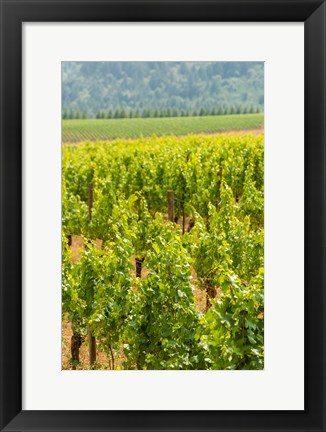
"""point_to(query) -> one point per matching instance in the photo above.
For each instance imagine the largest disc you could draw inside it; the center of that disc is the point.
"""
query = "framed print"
(162, 223)
(154, 383)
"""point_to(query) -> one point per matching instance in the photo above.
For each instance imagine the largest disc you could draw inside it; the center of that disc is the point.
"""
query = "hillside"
(186, 86)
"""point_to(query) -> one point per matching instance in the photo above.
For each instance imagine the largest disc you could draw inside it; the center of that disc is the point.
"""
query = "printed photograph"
(162, 215)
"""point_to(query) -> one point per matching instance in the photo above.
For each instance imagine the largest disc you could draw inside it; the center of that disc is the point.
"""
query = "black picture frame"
(13, 14)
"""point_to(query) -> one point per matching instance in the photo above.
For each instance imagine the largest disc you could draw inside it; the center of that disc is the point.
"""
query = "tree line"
(160, 112)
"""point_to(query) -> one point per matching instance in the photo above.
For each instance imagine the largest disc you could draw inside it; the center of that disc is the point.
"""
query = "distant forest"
(161, 89)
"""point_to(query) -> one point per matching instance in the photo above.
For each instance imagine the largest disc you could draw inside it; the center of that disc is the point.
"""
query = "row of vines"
(130, 293)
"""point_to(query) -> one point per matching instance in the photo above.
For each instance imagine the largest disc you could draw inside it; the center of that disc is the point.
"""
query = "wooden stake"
(139, 262)
(220, 174)
(91, 338)
(90, 200)
(112, 357)
(91, 348)
(171, 205)
(210, 294)
(75, 344)
(183, 213)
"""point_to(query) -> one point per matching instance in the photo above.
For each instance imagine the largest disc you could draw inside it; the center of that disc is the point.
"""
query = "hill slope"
(93, 86)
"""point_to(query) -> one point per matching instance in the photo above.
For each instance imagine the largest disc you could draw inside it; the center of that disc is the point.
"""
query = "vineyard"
(107, 129)
(162, 223)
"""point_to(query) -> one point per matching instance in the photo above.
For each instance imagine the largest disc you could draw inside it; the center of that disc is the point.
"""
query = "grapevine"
(138, 277)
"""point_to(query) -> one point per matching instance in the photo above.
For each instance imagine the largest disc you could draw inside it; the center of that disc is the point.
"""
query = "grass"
(107, 129)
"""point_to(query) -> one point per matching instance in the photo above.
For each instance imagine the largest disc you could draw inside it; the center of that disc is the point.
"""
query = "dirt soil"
(258, 131)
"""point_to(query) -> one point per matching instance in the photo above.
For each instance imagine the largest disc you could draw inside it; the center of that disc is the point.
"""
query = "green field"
(106, 129)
